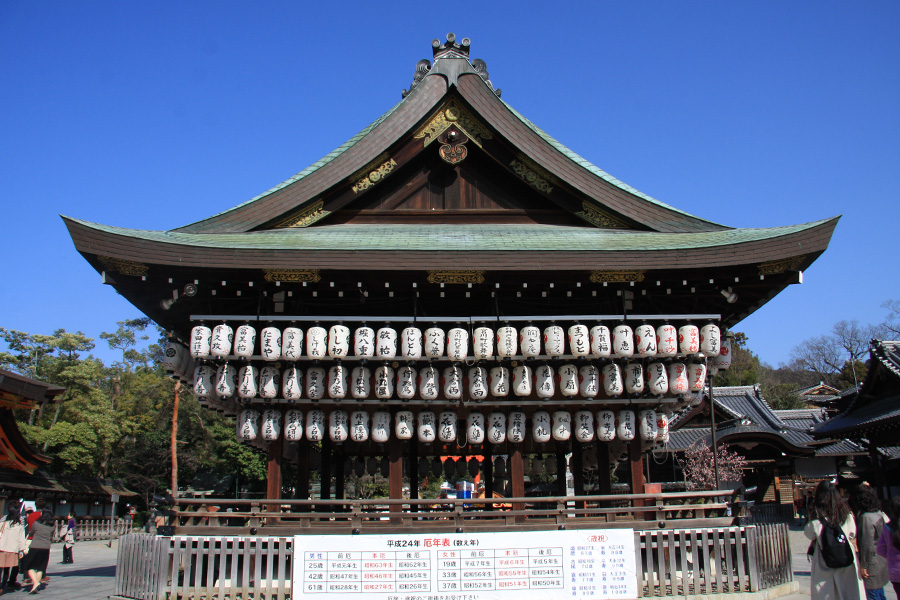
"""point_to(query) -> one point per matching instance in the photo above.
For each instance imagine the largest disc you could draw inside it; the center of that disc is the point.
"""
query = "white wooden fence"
(93, 528)
(674, 562)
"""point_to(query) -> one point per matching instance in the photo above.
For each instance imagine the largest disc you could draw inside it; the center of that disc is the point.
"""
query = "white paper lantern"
(362, 383)
(292, 343)
(248, 382)
(507, 341)
(204, 381)
(453, 383)
(292, 384)
(662, 426)
(447, 427)
(634, 378)
(606, 426)
(269, 382)
(522, 380)
(483, 342)
(411, 343)
(496, 428)
(270, 343)
(201, 336)
(623, 341)
(338, 426)
(359, 426)
(696, 376)
(710, 339)
(657, 379)
(338, 341)
(515, 434)
(316, 342)
(540, 427)
(589, 381)
(530, 341)
(434, 342)
(723, 360)
(315, 383)
(584, 426)
(579, 340)
(457, 344)
(625, 426)
(248, 428)
(689, 339)
(315, 425)
(271, 427)
(645, 339)
(337, 382)
(293, 425)
(554, 341)
(678, 379)
(220, 343)
(601, 341)
(478, 385)
(384, 382)
(426, 430)
(364, 342)
(173, 356)
(406, 383)
(244, 341)
(226, 381)
(612, 380)
(647, 425)
(475, 428)
(562, 425)
(499, 382)
(666, 340)
(568, 380)
(544, 384)
(429, 380)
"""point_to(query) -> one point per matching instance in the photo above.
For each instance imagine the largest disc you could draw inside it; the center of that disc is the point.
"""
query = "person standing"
(35, 562)
(69, 539)
(12, 545)
(869, 524)
(889, 544)
(832, 583)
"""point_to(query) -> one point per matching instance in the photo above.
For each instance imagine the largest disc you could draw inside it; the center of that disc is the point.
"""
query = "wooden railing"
(93, 528)
(289, 517)
(673, 562)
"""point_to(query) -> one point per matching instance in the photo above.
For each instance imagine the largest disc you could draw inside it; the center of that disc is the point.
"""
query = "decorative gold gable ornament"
(373, 174)
(600, 218)
(451, 113)
(304, 217)
(535, 176)
(292, 275)
(617, 276)
(774, 267)
(455, 277)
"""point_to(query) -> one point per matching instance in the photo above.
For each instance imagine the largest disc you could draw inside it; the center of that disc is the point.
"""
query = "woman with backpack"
(889, 544)
(835, 573)
(869, 524)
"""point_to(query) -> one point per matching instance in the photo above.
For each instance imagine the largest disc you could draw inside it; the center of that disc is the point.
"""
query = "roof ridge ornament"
(450, 49)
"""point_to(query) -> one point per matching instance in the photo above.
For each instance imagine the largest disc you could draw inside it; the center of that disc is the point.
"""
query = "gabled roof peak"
(451, 59)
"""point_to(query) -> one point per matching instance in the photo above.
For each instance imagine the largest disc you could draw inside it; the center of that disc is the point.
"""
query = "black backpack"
(836, 549)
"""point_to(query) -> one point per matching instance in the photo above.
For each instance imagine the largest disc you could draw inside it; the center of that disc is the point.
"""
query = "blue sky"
(155, 114)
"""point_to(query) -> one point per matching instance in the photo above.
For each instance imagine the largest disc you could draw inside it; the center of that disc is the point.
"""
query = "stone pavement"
(93, 574)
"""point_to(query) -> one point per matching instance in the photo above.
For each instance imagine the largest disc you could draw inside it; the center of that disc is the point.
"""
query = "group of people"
(855, 546)
(25, 537)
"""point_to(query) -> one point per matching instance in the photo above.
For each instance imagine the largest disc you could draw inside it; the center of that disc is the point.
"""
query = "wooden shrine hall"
(450, 282)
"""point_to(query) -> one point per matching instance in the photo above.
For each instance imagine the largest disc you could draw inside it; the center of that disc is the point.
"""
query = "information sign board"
(532, 565)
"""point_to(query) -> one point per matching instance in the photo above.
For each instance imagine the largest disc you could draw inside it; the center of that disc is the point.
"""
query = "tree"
(891, 323)
(697, 465)
(745, 366)
(828, 355)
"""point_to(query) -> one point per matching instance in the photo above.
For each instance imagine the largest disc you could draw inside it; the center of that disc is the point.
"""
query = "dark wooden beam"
(516, 468)
(274, 455)
(395, 475)
(635, 458)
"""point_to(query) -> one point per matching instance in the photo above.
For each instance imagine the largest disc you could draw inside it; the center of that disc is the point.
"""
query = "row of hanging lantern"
(494, 428)
(412, 343)
(614, 379)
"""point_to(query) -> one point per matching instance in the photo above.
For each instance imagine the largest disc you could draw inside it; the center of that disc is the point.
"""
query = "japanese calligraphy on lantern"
(469, 566)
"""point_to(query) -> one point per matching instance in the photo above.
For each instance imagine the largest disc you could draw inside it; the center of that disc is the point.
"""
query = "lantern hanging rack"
(443, 319)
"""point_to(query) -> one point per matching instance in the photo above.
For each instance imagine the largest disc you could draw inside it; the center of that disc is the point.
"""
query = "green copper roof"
(493, 237)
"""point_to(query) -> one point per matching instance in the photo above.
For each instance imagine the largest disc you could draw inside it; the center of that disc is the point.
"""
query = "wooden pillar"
(395, 476)
(325, 471)
(578, 470)
(274, 454)
(635, 457)
(604, 477)
(302, 483)
(487, 468)
(339, 475)
(561, 464)
(516, 468)
(414, 472)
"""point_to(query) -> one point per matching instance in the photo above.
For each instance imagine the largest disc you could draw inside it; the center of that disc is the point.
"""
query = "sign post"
(112, 519)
